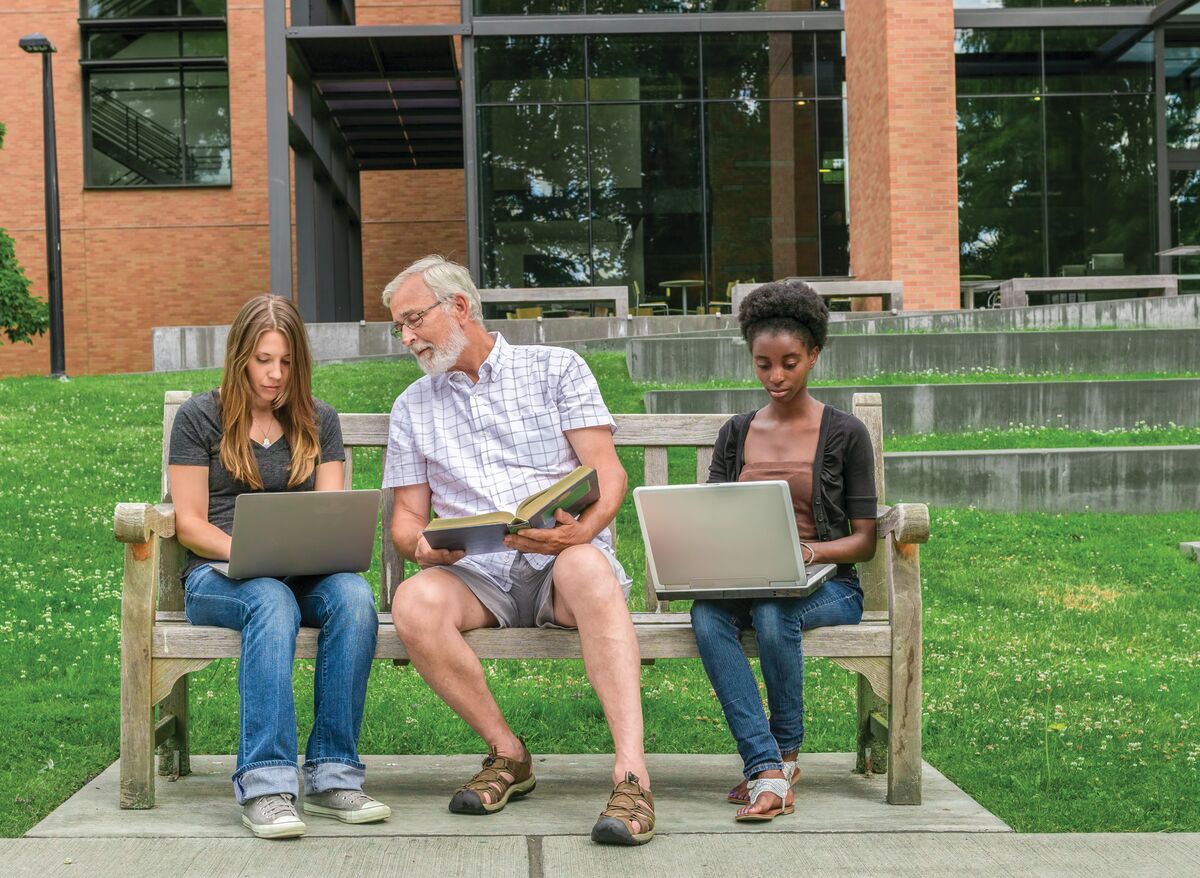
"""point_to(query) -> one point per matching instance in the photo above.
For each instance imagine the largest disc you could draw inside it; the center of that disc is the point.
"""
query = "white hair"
(445, 280)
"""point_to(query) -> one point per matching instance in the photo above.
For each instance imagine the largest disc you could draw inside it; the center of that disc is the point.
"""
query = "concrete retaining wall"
(685, 361)
(1129, 480)
(954, 408)
(203, 347)
(1181, 312)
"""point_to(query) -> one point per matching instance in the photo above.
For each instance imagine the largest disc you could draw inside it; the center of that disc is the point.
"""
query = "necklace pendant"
(266, 443)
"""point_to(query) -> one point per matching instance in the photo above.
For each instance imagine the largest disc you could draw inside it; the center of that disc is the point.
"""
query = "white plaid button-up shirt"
(487, 446)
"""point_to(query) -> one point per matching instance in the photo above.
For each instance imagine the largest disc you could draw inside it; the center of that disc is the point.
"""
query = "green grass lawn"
(1061, 652)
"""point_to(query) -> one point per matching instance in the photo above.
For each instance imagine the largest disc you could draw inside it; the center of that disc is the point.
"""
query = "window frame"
(177, 23)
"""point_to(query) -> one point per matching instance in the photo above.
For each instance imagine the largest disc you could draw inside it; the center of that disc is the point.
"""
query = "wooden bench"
(159, 648)
(1014, 293)
(619, 296)
(891, 292)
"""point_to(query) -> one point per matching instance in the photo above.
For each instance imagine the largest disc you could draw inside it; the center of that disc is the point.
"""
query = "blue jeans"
(269, 613)
(778, 624)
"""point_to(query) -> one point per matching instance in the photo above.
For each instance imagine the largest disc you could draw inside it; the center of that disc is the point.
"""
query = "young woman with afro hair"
(825, 456)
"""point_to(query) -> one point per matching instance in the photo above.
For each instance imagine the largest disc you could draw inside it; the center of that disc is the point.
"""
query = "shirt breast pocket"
(531, 437)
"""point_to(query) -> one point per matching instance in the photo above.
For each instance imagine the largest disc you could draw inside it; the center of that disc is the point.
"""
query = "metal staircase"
(152, 153)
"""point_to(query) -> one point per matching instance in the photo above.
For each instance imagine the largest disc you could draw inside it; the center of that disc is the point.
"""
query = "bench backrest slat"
(868, 408)
(655, 472)
(655, 433)
(170, 561)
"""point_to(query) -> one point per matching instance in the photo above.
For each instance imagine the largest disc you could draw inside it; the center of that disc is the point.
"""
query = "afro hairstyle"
(790, 306)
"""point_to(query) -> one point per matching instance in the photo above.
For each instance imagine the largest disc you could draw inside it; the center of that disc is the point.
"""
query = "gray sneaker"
(348, 806)
(273, 816)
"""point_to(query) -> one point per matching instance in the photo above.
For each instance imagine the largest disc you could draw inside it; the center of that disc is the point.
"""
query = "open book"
(480, 534)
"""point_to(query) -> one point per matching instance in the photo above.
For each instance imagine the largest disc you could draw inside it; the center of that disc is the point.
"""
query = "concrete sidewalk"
(842, 826)
(572, 789)
(928, 855)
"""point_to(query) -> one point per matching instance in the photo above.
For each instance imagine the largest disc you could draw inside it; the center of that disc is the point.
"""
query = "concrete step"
(953, 408)
(1099, 352)
(1192, 550)
(1171, 312)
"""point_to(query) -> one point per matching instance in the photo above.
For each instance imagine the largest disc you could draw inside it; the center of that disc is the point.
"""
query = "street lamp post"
(38, 44)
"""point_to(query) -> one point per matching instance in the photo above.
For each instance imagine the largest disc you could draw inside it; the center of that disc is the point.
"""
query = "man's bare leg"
(588, 597)
(430, 612)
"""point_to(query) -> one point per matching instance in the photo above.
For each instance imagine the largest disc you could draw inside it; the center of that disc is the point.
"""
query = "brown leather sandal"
(468, 799)
(628, 802)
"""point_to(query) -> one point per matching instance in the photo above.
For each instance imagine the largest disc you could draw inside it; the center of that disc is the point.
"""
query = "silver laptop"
(733, 540)
(302, 533)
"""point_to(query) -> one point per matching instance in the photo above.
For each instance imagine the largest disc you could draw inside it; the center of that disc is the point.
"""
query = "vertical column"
(903, 147)
(353, 189)
(470, 165)
(279, 188)
(306, 234)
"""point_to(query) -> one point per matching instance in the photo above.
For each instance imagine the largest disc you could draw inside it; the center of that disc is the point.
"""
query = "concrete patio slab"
(572, 789)
(916, 854)
(244, 857)
(927, 855)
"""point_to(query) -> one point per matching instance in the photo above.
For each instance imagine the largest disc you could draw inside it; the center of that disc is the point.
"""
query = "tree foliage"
(22, 315)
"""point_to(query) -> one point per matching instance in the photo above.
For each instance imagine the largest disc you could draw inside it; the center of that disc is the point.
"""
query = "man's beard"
(435, 360)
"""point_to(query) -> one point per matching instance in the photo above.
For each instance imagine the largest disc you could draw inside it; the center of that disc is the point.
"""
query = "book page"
(488, 518)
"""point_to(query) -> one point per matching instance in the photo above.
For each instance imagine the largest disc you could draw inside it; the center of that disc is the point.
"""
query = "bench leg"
(904, 718)
(137, 705)
(173, 753)
(872, 748)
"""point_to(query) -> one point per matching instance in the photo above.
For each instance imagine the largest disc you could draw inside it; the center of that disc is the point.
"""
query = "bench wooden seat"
(159, 648)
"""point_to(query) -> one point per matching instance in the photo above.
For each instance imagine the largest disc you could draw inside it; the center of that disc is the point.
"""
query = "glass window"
(647, 208)
(528, 7)
(533, 196)
(519, 69)
(758, 65)
(629, 7)
(206, 126)
(121, 45)
(1109, 228)
(636, 68)
(1000, 187)
(777, 198)
(1183, 95)
(151, 8)
(772, 5)
(831, 63)
(1098, 60)
(833, 188)
(998, 61)
(159, 128)
(1185, 226)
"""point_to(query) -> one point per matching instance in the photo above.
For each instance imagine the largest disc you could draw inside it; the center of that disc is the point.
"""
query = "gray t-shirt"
(196, 441)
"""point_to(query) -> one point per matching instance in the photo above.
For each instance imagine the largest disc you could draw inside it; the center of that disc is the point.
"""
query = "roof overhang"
(394, 93)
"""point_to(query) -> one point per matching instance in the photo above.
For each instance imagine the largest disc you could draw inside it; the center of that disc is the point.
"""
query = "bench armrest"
(906, 522)
(137, 522)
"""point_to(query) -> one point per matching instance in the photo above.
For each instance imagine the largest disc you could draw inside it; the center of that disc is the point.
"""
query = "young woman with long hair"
(263, 430)
(825, 457)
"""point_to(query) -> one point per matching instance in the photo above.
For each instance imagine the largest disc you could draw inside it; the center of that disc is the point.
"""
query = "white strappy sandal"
(791, 773)
(777, 785)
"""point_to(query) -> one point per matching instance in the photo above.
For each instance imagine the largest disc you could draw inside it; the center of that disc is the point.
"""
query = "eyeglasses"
(413, 321)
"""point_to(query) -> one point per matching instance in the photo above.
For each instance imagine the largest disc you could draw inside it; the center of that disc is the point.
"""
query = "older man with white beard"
(489, 425)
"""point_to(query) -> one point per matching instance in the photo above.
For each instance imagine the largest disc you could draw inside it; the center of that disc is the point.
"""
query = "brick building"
(559, 142)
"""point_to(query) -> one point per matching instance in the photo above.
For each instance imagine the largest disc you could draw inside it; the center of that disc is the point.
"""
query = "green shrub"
(22, 315)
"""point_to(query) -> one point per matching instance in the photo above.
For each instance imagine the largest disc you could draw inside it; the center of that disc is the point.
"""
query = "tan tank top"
(799, 478)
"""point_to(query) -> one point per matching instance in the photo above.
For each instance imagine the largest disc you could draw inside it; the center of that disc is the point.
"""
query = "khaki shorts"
(529, 602)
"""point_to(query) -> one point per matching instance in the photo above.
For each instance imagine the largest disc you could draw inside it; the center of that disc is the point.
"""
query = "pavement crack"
(533, 846)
